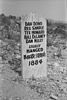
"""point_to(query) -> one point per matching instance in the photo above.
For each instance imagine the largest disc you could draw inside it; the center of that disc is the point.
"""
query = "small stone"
(56, 64)
(53, 97)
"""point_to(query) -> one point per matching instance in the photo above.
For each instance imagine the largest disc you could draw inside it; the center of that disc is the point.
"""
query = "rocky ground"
(12, 85)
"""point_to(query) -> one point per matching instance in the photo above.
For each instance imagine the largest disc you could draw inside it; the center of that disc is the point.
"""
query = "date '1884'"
(35, 62)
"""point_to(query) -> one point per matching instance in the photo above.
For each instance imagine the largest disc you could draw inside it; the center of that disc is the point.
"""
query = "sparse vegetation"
(54, 87)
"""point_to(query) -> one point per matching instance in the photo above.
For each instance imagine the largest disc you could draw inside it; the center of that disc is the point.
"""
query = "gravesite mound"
(20, 59)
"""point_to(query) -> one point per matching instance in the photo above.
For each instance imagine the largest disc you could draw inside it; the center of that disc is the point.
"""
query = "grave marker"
(33, 37)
